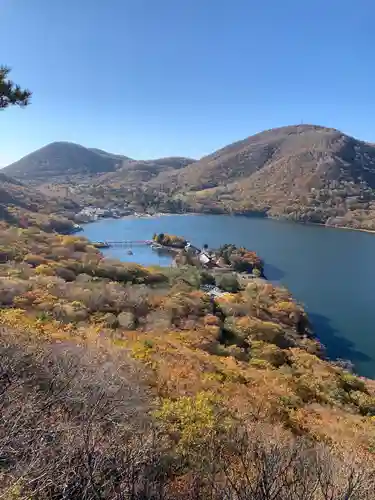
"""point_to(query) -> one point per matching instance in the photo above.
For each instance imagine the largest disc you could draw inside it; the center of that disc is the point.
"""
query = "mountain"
(63, 160)
(303, 172)
(106, 154)
(306, 173)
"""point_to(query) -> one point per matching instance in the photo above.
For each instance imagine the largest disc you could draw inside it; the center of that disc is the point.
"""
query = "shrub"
(34, 260)
(109, 320)
(238, 352)
(126, 320)
(6, 254)
(262, 364)
(11, 288)
(249, 329)
(308, 388)
(70, 313)
(45, 270)
(228, 283)
(192, 418)
(350, 382)
(207, 278)
(269, 352)
(364, 402)
(65, 274)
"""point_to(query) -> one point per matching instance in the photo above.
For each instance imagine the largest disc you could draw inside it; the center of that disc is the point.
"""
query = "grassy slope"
(23, 205)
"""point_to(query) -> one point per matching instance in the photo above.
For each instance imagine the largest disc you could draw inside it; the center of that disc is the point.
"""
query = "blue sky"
(151, 78)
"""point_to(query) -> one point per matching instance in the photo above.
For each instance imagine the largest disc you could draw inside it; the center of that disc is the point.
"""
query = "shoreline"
(346, 228)
(281, 219)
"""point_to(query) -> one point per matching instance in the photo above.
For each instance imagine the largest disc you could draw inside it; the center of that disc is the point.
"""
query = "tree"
(10, 93)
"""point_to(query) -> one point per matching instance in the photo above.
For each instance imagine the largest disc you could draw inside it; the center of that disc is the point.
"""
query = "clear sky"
(151, 78)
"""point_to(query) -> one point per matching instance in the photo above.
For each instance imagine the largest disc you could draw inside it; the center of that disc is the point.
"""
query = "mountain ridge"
(306, 173)
(59, 159)
(63, 160)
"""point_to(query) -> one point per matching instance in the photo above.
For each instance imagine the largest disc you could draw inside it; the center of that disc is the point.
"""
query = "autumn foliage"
(170, 240)
(209, 377)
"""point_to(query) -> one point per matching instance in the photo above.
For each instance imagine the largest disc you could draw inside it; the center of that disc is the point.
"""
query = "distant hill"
(62, 162)
(295, 153)
(306, 173)
(134, 171)
(63, 159)
(303, 172)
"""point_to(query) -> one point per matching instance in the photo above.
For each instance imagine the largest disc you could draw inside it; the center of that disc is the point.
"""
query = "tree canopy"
(10, 93)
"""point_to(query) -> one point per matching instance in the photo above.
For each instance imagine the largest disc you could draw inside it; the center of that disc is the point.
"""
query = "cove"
(330, 271)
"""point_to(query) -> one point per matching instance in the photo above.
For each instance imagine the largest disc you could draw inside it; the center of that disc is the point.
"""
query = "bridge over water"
(121, 243)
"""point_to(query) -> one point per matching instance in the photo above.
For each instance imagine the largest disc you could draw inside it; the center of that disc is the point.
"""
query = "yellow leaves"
(69, 240)
(13, 317)
(213, 377)
(262, 364)
(38, 326)
(36, 297)
(256, 329)
(44, 270)
(285, 306)
(270, 353)
(142, 350)
(192, 419)
(229, 298)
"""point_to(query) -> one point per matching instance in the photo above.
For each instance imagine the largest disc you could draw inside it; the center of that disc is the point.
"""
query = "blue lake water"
(330, 271)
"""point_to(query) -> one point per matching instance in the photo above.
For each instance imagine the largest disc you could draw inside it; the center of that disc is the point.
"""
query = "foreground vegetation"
(120, 381)
(124, 382)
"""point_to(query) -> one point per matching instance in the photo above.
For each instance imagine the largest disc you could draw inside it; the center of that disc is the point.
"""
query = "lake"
(330, 271)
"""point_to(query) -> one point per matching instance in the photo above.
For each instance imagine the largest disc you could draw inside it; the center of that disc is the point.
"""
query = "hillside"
(146, 384)
(24, 205)
(143, 171)
(305, 173)
(63, 160)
